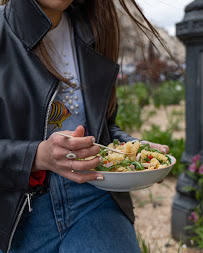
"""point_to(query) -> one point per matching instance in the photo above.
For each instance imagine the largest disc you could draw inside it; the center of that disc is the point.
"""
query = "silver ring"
(71, 163)
(71, 155)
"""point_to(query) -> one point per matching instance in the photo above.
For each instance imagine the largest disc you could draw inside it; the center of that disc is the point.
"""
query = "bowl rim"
(133, 172)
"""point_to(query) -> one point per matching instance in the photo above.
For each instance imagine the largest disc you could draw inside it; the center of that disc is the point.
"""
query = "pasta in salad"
(139, 157)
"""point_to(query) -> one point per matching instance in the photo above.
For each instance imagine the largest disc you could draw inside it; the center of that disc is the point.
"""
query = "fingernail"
(100, 158)
(164, 150)
(100, 177)
(93, 140)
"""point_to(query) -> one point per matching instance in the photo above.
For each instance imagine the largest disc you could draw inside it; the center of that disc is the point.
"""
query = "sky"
(164, 13)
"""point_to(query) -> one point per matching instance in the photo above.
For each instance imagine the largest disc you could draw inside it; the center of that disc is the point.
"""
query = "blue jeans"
(74, 218)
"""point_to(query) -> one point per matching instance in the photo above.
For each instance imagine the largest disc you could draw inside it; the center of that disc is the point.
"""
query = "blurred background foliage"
(138, 103)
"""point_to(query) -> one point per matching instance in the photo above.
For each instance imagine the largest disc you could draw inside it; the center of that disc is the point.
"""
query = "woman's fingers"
(61, 153)
(71, 169)
(165, 149)
(82, 178)
(79, 132)
(162, 148)
(76, 143)
(77, 165)
(83, 165)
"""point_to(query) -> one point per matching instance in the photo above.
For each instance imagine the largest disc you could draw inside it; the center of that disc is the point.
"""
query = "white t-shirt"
(67, 111)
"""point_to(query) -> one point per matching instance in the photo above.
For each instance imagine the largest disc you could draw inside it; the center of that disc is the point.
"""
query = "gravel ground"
(153, 217)
(164, 119)
(153, 205)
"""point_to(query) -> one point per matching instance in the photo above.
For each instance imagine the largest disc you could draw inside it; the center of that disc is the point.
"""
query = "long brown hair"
(105, 25)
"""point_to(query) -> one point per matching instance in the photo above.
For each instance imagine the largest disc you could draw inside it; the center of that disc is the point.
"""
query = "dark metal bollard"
(190, 32)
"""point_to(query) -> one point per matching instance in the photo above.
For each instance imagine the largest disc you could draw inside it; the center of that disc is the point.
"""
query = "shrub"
(142, 91)
(129, 112)
(165, 137)
(168, 93)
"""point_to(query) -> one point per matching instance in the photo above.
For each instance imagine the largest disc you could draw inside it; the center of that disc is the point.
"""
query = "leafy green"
(138, 165)
(168, 158)
(116, 142)
(102, 168)
(156, 150)
(103, 152)
(177, 146)
(125, 163)
(143, 146)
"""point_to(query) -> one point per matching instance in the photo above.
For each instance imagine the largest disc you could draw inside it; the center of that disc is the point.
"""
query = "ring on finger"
(71, 155)
(71, 164)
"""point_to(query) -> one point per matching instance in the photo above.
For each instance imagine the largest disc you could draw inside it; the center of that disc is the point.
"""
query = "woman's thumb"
(79, 131)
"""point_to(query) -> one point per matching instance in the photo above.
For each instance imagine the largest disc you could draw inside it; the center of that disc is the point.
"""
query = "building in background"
(138, 55)
(134, 43)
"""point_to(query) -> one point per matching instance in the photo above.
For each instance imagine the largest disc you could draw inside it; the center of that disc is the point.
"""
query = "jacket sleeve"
(16, 159)
(115, 131)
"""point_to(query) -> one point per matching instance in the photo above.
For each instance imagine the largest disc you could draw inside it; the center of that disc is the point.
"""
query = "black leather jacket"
(26, 92)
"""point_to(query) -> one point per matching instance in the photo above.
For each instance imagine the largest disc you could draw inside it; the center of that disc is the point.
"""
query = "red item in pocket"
(37, 178)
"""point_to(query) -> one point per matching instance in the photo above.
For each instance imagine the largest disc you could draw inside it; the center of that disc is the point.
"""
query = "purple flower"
(196, 158)
(193, 217)
(193, 167)
(201, 169)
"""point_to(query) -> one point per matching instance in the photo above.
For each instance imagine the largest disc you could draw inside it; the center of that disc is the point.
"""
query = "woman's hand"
(51, 155)
(162, 148)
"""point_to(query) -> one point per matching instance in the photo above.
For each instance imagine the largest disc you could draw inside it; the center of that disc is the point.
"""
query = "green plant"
(174, 119)
(168, 93)
(145, 247)
(165, 137)
(195, 171)
(129, 112)
(131, 100)
(142, 92)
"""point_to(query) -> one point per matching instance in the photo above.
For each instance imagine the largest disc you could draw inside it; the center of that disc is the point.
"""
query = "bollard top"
(196, 5)
(190, 29)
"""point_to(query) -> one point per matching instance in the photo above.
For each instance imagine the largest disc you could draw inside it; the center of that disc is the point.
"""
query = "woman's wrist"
(39, 163)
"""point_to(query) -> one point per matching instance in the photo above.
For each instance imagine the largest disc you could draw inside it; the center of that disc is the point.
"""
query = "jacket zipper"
(29, 195)
(27, 200)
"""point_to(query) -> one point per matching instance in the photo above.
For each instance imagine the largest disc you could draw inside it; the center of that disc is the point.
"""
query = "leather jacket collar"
(97, 73)
(31, 24)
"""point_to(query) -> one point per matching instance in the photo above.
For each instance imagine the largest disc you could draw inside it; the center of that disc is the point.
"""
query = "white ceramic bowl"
(131, 181)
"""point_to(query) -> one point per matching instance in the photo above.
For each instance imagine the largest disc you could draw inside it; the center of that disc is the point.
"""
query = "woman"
(58, 72)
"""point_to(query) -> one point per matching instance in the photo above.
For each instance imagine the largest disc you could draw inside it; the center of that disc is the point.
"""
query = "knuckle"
(73, 145)
(56, 154)
(83, 153)
(55, 139)
(90, 140)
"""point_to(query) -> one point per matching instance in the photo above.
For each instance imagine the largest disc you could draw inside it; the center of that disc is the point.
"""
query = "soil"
(153, 217)
(173, 115)
(153, 205)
